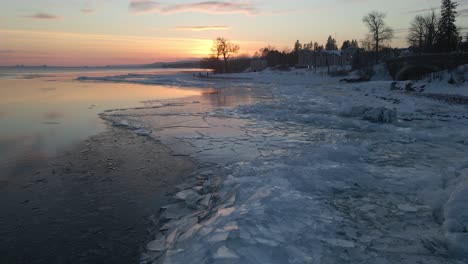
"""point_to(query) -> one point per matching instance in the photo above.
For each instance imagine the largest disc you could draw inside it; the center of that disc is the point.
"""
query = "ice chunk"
(225, 253)
(185, 194)
(219, 236)
(339, 242)
(157, 245)
(407, 208)
(380, 115)
(372, 114)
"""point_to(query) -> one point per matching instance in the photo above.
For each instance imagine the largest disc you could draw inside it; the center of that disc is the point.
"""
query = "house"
(323, 58)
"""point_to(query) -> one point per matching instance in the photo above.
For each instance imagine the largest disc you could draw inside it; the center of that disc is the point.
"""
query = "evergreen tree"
(308, 46)
(331, 44)
(346, 44)
(297, 47)
(318, 47)
(448, 33)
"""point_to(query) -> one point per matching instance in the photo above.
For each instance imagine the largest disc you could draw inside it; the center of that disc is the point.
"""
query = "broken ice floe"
(373, 114)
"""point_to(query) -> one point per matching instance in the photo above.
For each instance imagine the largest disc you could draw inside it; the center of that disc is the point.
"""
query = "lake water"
(44, 111)
(70, 194)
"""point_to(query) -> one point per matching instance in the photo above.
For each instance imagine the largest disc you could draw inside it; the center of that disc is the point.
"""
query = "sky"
(110, 32)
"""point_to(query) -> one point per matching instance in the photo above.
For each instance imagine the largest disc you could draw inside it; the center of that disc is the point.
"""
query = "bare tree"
(379, 32)
(225, 49)
(431, 23)
(423, 32)
(417, 33)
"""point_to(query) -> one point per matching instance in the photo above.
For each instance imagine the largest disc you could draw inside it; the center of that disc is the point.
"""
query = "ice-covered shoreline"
(323, 173)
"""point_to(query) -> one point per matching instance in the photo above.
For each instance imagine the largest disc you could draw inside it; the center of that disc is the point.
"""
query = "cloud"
(7, 51)
(212, 7)
(203, 28)
(43, 16)
(141, 6)
(87, 10)
(463, 12)
(424, 10)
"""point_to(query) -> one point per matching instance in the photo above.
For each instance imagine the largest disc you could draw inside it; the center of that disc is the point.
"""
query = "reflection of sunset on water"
(46, 114)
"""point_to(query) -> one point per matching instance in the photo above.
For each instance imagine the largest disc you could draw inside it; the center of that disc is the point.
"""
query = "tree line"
(437, 33)
(429, 33)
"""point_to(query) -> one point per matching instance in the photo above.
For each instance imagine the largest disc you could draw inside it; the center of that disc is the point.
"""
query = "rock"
(393, 86)
(225, 253)
(157, 245)
(201, 178)
(409, 87)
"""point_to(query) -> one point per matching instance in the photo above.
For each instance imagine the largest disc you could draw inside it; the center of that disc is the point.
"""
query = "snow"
(438, 83)
(381, 73)
(318, 172)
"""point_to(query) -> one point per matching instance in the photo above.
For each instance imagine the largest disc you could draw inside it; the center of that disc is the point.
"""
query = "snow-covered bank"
(325, 172)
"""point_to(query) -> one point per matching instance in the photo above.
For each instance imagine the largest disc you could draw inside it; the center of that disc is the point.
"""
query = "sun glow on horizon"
(73, 49)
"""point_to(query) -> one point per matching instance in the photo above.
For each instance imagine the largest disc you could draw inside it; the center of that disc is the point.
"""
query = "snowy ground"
(318, 172)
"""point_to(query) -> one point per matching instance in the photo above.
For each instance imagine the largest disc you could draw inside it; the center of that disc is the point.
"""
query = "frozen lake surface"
(325, 172)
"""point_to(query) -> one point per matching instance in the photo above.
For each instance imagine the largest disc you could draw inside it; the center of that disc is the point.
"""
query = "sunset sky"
(103, 32)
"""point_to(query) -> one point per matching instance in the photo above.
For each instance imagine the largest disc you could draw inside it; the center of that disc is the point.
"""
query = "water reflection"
(232, 97)
(41, 118)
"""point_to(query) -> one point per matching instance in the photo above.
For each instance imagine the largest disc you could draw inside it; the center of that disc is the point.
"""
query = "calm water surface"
(91, 205)
(43, 112)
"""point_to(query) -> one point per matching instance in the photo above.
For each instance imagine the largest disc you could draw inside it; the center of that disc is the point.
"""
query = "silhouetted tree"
(222, 48)
(297, 46)
(346, 44)
(349, 44)
(331, 44)
(308, 46)
(379, 32)
(417, 33)
(448, 36)
(318, 47)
